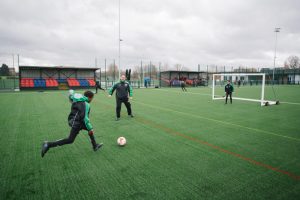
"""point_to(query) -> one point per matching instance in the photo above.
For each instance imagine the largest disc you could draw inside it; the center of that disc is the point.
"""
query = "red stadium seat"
(51, 82)
(91, 82)
(73, 82)
(27, 82)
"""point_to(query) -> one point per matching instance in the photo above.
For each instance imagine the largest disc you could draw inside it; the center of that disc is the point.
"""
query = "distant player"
(78, 120)
(98, 86)
(123, 92)
(228, 90)
(182, 84)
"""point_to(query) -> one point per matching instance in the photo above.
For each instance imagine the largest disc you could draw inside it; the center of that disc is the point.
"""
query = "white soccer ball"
(71, 92)
(121, 141)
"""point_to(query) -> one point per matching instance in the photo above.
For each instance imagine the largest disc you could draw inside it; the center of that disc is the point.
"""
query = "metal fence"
(134, 84)
(9, 83)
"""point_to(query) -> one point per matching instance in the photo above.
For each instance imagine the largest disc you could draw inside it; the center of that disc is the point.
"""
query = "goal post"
(221, 78)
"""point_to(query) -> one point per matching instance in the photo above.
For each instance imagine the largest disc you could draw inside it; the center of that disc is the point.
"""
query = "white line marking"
(205, 94)
(219, 121)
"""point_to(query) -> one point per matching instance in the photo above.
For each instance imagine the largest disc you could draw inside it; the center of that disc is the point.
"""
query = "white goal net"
(247, 87)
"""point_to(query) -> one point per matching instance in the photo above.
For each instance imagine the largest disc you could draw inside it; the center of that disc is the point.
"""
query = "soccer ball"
(121, 141)
(71, 92)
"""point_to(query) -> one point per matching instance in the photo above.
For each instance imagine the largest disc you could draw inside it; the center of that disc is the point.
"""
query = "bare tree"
(292, 62)
(136, 73)
(178, 67)
(212, 68)
(154, 71)
(165, 67)
(112, 71)
(184, 68)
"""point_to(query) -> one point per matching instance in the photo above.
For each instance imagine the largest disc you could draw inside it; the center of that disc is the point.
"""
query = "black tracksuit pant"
(119, 103)
(230, 95)
(99, 87)
(69, 140)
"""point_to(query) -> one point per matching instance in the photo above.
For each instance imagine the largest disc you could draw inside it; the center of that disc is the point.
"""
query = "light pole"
(120, 39)
(13, 56)
(277, 30)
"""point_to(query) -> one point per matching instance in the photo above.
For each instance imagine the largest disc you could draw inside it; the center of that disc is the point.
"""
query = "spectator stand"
(56, 77)
(191, 78)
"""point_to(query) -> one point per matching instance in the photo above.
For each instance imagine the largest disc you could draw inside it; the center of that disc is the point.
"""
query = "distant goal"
(247, 87)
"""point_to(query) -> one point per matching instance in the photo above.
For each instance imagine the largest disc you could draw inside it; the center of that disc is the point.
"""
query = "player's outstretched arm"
(112, 89)
(86, 117)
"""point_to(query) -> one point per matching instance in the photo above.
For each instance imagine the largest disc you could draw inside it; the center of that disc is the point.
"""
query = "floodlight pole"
(142, 73)
(95, 71)
(120, 39)
(277, 30)
(105, 73)
(13, 59)
(18, 61)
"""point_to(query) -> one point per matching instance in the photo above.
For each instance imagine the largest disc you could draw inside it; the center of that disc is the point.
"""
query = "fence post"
(114, 69)
(105, 74)
(141, 75)
(159, 74)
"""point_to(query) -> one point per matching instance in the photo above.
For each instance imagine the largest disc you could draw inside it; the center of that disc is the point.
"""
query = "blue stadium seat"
(62, 80)
(83, 82)
(39, 83)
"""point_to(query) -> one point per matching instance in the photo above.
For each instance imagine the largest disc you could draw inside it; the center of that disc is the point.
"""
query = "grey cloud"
(190, 32)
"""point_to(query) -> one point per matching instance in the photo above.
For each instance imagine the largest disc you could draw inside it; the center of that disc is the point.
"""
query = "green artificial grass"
(180, 145)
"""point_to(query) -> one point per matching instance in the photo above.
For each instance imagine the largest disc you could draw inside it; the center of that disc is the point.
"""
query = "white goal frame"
(262, 100)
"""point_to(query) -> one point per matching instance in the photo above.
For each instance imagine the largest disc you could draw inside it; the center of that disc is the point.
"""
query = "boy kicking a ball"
(78, 120)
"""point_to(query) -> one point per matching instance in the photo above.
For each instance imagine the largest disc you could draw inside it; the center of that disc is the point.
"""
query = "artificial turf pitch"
(179, 146)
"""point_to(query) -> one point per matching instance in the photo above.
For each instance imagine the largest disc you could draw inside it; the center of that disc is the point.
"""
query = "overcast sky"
(187, 32)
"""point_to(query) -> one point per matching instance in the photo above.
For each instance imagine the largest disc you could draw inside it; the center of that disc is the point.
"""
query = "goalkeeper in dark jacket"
(228, 90)
(123, 91)
(78, 120)
(98, 86)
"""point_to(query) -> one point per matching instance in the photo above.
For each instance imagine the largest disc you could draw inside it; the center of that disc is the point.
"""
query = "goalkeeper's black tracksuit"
(78, 120)
(182, 84)
(123, 90)
(98, 86)
(228, 90)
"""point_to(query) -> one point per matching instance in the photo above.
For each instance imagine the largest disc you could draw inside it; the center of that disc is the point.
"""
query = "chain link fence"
(9, 83)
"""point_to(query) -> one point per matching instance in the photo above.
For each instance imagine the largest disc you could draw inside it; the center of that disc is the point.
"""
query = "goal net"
(247, 87)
